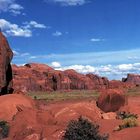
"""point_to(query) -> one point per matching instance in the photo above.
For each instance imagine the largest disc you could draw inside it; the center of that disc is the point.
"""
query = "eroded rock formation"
(132, 79)
(40, 77)
(6, 55)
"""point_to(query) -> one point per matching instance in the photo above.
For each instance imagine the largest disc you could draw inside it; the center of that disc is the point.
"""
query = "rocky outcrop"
(40, 77)
(6, 55)
(111, 100)
(132, 79)
(11, 104)
(116, 84)
(79, 81)
(99, 82)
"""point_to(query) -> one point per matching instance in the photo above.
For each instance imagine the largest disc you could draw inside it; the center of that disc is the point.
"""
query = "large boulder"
(6, 55)
(111, 100)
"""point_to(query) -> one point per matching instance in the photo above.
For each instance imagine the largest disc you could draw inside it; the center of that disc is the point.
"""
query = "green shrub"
(127, 123)
(35, 97)
(123, 115)
(82, 129)
(4, 129)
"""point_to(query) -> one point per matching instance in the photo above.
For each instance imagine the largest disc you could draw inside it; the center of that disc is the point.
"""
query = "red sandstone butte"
(132, 79)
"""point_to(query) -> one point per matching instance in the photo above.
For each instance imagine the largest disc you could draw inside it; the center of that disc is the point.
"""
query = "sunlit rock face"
(41, 77)
(133, 79)
(6, 55)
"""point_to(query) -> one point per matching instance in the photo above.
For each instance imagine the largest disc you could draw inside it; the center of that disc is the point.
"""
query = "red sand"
(48, 121)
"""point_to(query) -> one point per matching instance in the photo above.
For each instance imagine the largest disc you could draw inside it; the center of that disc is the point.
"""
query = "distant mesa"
(132, 79)
(6, 55)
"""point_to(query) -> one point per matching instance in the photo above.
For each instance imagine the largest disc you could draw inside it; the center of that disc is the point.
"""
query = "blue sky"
(98, 36)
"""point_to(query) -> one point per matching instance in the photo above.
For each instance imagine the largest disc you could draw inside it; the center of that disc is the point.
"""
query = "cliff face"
(6, 55)
(40, 77)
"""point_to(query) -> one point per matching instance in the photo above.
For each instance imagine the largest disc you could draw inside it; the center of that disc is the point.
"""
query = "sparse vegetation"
(133, 92)
(82, 129)
(35, 98)
(128, 120)
(127, 123)
(64, 95)
(124, 115)
(4, 129)
(75, 94)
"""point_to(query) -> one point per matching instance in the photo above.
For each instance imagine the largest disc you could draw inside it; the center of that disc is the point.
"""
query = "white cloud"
(106, 68)
(125, 67)
(25, 54)
(19, 54)
(80, 68)
(10, 6)
(11, 29)
(69, 2)
(15, 52)
(33, 57)
(57, 33)
(55, 64)
(34, 24)
(96, 40)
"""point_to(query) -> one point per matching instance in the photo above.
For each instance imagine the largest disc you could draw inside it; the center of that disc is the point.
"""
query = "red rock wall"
(132, 79)
(40, 77)
(6, 55)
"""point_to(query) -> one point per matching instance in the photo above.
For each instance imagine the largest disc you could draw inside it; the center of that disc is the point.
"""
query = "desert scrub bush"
(123, 115)
(4, 129)
(35, 97)
(82, 129)
(127, 123)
